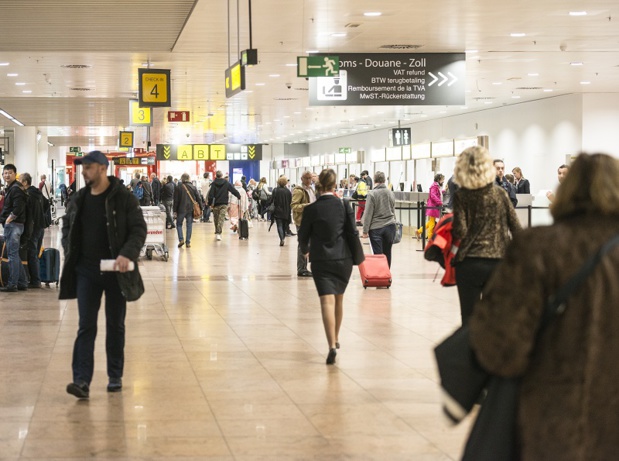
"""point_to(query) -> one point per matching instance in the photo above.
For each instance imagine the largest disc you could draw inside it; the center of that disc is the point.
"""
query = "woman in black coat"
(282, 198)
(522, 184)
(323, 235)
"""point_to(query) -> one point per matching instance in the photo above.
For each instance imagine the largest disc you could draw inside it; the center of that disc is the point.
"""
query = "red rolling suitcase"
(375, 271)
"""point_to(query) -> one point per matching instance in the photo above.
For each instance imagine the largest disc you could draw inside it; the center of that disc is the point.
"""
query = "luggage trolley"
(155, 233)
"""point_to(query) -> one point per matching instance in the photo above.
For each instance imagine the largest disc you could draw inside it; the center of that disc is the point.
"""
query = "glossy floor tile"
(225, 360)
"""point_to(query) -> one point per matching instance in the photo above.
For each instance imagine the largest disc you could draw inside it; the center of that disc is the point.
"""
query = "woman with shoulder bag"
(568, 408)
(326, 226)
(282, 198)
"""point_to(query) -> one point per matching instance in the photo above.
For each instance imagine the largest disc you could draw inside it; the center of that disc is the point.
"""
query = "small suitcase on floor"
(243, 226)
(49, 268)
(375, 271)
(243, 229)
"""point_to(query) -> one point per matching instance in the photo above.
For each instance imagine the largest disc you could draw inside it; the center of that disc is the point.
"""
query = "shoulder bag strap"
(556, 303)
(190, 197)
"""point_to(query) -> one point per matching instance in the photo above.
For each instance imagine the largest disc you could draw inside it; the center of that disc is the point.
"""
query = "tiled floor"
(225, 359)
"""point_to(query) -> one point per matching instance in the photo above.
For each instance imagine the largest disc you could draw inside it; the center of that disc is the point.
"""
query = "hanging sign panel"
(140, 116)
(384, 79)
(201, 152)
(154, 88)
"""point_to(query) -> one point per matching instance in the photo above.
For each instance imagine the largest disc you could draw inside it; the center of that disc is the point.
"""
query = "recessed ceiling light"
(286, 116)
(12, 75)
(576, 63)
(338, 34)
(471, 51)
(27, 91)
(487, 102)
(20, 84)
(533, 74)
(297, 113)
(497, 83)
(518, 34)
(291, 64)
(515, 97)
(312, 51)
(274, 75)
(548, 90)
(372, 13)
(585, 83)
(4, 63)
(259, 84)
(578, 13)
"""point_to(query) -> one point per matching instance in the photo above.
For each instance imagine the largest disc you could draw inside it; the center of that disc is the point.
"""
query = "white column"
(26, 150)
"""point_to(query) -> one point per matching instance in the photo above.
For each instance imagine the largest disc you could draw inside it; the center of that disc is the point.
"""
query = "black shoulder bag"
(463, 380)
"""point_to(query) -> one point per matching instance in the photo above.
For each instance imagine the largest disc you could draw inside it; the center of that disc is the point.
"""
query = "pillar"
(25, 158)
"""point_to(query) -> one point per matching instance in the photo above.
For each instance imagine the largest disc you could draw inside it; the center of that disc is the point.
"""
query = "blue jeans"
(12, 236)
(382, 240)
(33, 256)
(91, 284)
(188, 217)
(282, 225)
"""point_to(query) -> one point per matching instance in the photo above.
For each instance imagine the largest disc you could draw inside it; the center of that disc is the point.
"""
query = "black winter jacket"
(15, 203)
(218, 193)
(36, 205)
(156, 187)
(167, 192)
(282, 198)
(126, 233)
(182, 202)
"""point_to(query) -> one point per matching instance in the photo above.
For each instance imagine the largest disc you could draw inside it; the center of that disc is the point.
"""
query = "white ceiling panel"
(78, 61)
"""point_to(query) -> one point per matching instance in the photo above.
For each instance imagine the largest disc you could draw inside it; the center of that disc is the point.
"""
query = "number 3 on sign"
(139, 116)
(154, 87)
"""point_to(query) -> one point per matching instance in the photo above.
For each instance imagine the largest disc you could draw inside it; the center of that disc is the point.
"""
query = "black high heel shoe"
(331, 356)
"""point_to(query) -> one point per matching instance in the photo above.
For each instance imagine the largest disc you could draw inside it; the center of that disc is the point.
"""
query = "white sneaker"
(218, 236)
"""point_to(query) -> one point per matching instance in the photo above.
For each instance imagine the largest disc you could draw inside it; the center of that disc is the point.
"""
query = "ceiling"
(78, 61)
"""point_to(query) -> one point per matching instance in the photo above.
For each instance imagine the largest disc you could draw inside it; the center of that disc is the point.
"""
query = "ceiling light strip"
(11, 118)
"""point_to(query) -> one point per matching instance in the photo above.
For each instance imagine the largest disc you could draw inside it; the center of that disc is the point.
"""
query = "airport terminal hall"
(309, 230)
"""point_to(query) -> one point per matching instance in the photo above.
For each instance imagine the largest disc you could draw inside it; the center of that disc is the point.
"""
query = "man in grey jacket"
(379, 217)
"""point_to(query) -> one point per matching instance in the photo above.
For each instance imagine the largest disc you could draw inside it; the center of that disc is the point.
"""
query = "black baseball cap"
(96, 156)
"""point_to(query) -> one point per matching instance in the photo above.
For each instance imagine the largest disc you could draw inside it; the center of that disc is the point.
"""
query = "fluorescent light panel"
(11, 118)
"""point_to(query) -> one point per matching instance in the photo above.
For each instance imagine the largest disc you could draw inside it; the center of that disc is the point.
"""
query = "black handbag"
(463, 380)
(351, 234)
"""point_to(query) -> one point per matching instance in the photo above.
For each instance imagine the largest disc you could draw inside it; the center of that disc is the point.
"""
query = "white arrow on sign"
(433, 81)
(444, 78)
(454, 79)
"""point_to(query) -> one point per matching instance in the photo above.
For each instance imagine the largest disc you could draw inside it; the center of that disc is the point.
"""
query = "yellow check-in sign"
(154, 88)
(140, 116)
(125, 139)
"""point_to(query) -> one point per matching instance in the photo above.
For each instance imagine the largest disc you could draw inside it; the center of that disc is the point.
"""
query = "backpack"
(441, 248)
(138, 191)
(255, 194)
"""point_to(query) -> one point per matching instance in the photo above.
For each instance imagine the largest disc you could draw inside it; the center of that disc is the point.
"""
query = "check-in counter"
(524, 200)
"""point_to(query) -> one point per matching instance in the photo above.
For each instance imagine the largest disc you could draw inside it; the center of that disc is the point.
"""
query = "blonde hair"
(592, 186)
(282, 181)
(518, 170)
(474, 168)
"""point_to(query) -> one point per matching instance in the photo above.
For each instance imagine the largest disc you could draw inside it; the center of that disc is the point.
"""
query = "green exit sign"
(345, 150)
(74, 150)
(318, 66)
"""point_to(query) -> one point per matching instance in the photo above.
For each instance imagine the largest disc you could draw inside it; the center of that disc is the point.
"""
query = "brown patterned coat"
(569, 399)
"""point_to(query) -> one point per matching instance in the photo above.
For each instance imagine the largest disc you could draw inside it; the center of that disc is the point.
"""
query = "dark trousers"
(382, 240)
(169, 220)
(301, 259)
(207, 213)
(471, 277)
(34, 246)
(188, 217)
(282, 226)
(91, 284)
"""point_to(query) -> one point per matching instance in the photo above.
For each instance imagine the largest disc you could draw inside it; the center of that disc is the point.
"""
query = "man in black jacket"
(103, 222)
(13, 218)
(155, 185)
(218, 200)
(502, 182)
(36, 224)
(185, 195)
(167, 198)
